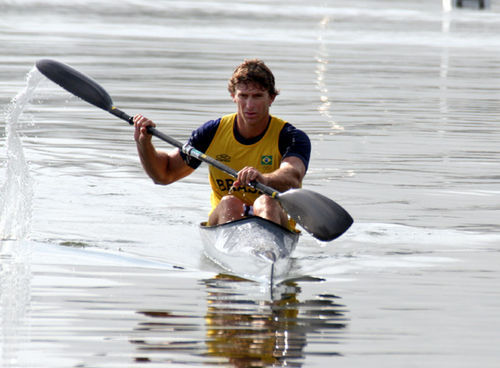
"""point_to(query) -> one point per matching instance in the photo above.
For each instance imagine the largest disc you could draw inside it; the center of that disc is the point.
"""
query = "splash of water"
(17, 191)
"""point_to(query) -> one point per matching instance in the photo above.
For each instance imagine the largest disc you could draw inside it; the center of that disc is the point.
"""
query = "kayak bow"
(251, 247)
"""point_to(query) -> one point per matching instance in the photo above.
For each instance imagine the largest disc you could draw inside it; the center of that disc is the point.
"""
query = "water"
(100, 268)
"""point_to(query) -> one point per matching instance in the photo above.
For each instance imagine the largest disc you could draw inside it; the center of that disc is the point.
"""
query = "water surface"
(101, 268)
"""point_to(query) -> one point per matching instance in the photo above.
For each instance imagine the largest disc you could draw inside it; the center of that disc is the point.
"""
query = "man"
(259, 146)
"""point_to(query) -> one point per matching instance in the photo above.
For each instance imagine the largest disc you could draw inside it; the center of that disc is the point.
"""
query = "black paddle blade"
(319, 215)
(75, 82)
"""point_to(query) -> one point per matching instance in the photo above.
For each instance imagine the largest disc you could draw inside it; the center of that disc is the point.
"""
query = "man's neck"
(248, 131)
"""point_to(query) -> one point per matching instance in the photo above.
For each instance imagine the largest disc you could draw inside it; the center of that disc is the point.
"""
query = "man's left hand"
(247, 175)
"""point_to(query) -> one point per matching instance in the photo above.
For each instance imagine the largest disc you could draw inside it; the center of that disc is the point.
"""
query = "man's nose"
(250, 102)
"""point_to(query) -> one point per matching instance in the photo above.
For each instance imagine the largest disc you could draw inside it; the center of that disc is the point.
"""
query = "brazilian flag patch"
(266, 160)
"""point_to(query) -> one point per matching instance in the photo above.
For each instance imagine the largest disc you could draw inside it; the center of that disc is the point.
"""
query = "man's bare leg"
(270, 209)
(230, 208)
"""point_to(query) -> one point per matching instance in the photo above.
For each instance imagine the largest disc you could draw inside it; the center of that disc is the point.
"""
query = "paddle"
(317, 214)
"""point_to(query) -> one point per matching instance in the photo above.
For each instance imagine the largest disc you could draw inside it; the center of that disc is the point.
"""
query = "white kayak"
(252, 247)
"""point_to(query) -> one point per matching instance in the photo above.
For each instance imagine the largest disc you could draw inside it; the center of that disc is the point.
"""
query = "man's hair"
(253, 71)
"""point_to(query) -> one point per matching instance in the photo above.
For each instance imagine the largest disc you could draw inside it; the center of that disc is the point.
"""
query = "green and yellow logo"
(266, 160)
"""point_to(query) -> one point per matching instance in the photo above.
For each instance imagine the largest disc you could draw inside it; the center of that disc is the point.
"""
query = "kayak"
(251, 247)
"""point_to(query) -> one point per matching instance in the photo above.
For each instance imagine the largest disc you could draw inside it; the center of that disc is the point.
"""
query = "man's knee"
(230, 202)
(270, 209)
(265, 202)
(229, 208)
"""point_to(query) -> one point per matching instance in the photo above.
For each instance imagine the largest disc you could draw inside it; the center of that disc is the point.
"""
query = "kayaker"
(259, 146)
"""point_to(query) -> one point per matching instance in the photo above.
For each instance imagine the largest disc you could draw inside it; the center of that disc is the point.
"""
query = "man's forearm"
(154, 162)
(288, 176)
(284, 179)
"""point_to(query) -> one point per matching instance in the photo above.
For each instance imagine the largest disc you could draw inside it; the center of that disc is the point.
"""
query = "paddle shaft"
(193, 152)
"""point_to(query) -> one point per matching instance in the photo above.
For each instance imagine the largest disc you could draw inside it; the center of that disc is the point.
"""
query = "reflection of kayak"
(251, 247)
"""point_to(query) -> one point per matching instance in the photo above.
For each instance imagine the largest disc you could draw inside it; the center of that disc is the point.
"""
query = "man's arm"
(164, 168)
(290, 174)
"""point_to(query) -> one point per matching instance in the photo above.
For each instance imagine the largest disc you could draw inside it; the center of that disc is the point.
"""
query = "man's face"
(253, 103)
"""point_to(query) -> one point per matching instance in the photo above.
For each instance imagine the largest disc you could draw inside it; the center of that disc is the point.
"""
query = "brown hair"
(253, 71)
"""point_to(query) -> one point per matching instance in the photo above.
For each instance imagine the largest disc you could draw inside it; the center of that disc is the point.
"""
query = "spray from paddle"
(16, 193)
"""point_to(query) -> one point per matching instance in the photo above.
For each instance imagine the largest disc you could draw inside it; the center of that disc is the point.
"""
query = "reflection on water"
(322, 59)
(247, 325)
(15, 289)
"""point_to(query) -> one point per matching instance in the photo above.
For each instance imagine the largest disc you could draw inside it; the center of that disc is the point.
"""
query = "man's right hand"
(141, 123)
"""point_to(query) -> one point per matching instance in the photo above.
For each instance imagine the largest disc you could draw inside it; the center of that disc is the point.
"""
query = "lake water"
(101, 268)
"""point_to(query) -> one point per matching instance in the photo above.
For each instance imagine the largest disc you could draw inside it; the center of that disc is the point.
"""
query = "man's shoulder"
(207, 128)
(200, 139)
(288, 128)
(292, 131)
(295, 142)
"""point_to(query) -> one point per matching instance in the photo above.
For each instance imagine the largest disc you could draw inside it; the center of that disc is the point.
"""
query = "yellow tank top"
(264, 155)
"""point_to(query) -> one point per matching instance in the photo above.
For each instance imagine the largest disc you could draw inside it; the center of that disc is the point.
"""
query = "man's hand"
(247, 175)
(141, 123)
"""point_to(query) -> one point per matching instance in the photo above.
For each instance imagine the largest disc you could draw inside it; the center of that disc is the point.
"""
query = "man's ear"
(272, 100)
